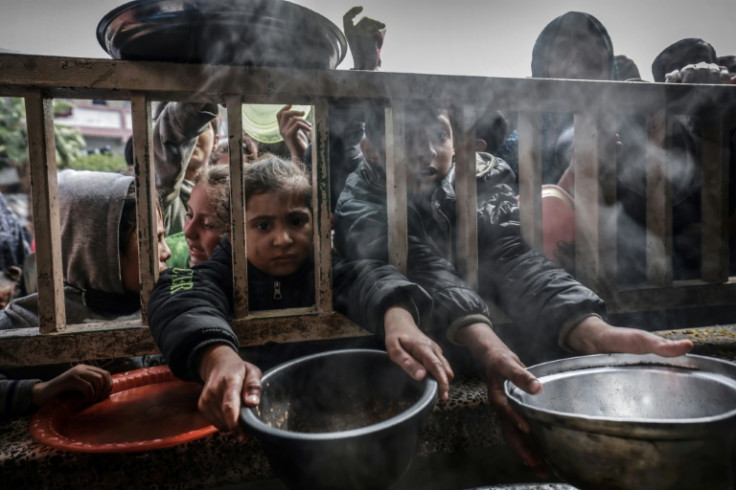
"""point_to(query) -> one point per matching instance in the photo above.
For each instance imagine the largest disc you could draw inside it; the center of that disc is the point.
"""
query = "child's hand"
(229, 382)
(414, 352)
(365, 39)
(295, 131)
(92, 382)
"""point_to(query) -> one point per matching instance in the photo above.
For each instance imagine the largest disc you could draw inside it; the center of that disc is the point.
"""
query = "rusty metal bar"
(396, 186)
(530, 178)
(237, 206)
(658, 205)
(321, 206)
(466, 191)
(714, 201)
(587, 201)
(146, 198)
(46, 227)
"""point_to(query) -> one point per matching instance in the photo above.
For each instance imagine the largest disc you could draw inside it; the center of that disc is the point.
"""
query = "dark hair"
(492, 127)
(375, 123)
(128, 219)
(272, 173)
(129, 151)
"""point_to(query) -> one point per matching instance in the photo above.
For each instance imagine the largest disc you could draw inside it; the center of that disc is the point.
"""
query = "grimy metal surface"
(41, 78)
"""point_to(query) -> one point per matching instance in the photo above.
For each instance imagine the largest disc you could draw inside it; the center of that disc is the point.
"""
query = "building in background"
(105, 125)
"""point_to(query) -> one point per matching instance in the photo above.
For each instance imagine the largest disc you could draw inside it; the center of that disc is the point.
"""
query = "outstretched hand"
(295, 130)
(594, 336)
(414, 352)
(92, 382)
(229, 382)
(501, 364)
(365, 39)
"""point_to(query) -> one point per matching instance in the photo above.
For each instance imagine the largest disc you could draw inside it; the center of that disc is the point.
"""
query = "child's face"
(429, 153)
(202, 228)
(279, 232)
(129, 258)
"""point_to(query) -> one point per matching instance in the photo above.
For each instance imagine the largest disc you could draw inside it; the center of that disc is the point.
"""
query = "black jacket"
(190, 309)
(538, 296)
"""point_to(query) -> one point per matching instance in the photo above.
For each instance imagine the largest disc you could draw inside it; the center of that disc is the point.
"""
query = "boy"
(541, 299)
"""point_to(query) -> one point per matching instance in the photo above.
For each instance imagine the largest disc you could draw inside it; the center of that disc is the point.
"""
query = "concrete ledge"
(460, 447)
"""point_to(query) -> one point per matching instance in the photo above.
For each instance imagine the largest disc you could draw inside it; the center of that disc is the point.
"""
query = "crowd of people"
(428, 318)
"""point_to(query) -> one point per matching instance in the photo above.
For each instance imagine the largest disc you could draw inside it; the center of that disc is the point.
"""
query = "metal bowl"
(222, 32)
(622, 421)
(344, 419)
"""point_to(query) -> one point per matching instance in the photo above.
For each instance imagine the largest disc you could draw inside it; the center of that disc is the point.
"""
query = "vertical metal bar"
(714, 201)
(321, 206)
(608, 211)
(658, 205)
(237, 206)
(146, 196)
(587, 201)
(396, 186)
(466, 252)
(45, 198)
(530, 179)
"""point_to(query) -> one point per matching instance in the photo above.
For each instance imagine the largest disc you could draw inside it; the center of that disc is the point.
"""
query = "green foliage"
(70, 144)
(100, 162)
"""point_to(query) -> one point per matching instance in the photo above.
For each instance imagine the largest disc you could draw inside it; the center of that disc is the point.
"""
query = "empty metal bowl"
(224, 32)
(343, 419)
(623, 421)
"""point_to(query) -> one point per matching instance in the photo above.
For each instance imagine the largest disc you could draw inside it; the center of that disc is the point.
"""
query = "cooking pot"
(224, 32)
(624, 421)
(342, 419)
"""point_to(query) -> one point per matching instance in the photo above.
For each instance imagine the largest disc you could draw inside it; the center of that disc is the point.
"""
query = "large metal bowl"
(621, 421)
(344, 419)
(222, 32)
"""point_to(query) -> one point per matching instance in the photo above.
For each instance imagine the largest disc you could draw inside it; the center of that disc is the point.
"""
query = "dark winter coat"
(190, 309)
(539, 297)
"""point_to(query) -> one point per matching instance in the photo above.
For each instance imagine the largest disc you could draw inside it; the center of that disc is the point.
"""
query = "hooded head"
(574, 45)
(90, 208)
(688, 51)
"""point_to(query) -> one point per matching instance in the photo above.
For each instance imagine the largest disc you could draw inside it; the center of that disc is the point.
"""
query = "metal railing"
(39, 79)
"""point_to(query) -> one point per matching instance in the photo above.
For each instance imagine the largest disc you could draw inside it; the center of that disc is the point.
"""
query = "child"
(542, 300)
(190, 308)
(99, 248)
(207, 219)
(100, 260)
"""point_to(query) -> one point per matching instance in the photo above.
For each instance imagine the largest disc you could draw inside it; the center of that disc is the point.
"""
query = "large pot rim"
(649, 427)
(425, 402)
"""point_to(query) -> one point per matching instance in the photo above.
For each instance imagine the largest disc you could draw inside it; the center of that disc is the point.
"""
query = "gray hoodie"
(90, 209)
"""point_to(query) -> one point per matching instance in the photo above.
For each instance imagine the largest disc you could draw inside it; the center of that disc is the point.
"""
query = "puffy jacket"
(539, 297)
(190, 309)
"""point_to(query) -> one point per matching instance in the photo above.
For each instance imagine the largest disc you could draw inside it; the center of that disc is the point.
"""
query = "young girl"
(207, 219)
(190, 309)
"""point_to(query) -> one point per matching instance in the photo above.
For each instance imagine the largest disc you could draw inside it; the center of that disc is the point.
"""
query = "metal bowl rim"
(109, 19)
(427, 398)
(614, 360)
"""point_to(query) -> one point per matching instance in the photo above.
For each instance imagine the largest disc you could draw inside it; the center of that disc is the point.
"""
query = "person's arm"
(378, 297)
(189, 314)
(175, 134)
(22, 396)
